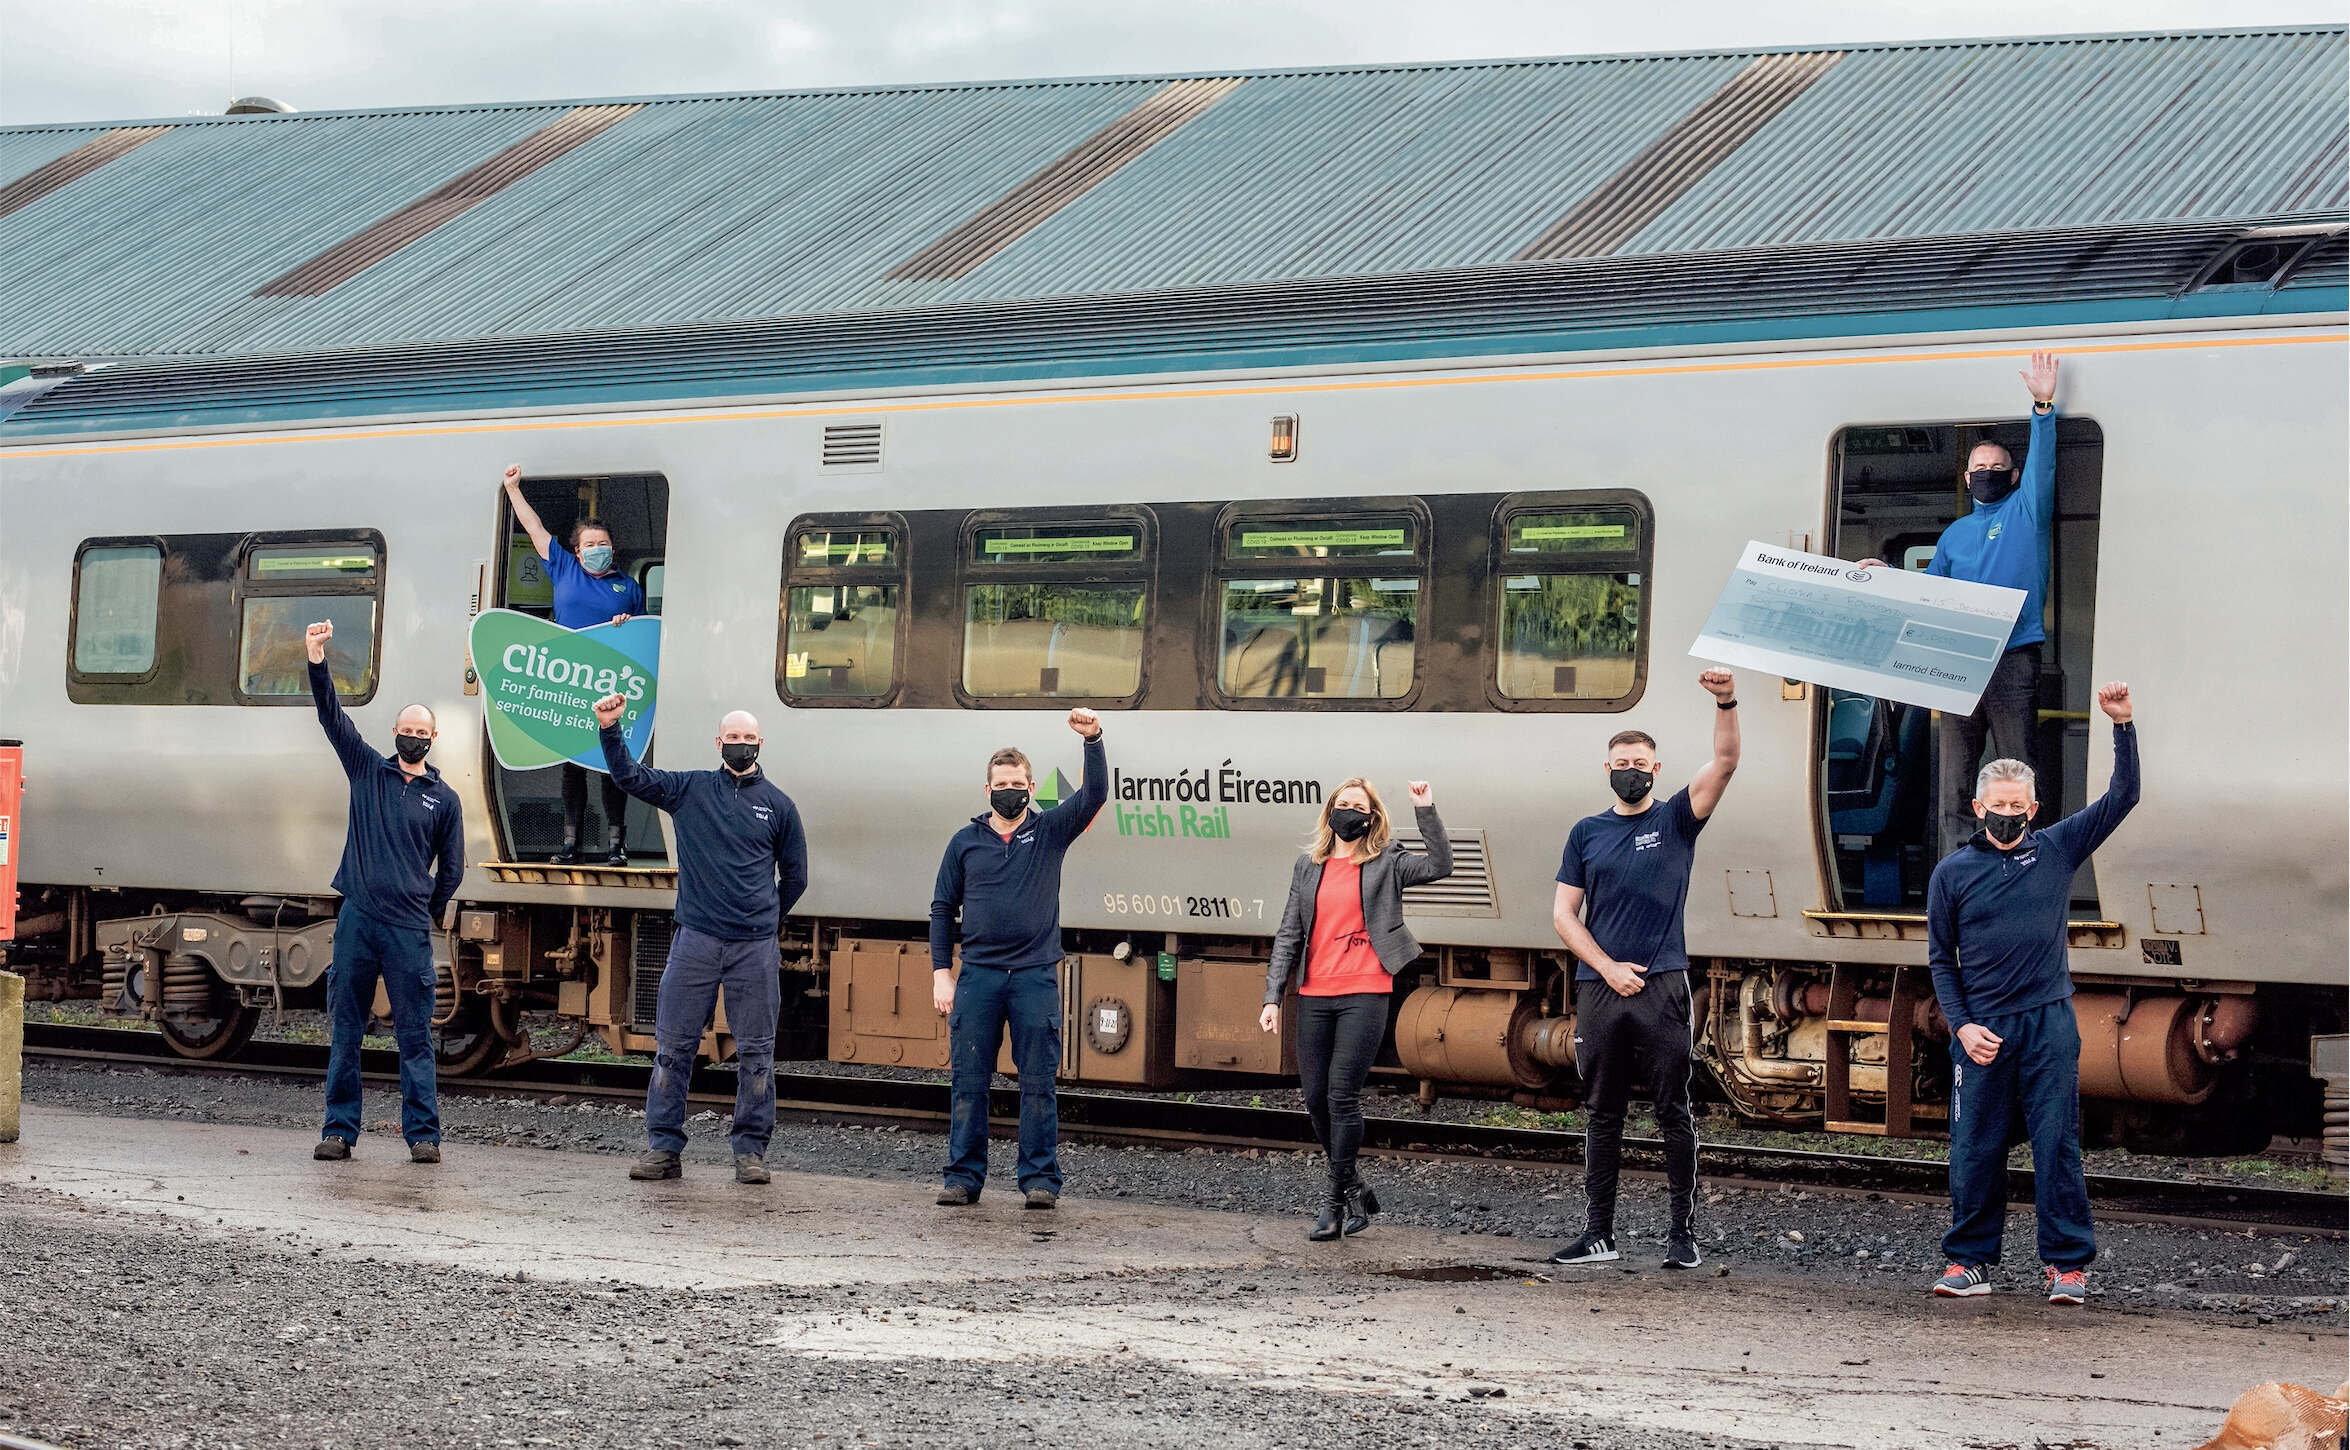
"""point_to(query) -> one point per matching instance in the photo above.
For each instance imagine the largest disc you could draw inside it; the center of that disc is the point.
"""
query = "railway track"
(1170, 1121)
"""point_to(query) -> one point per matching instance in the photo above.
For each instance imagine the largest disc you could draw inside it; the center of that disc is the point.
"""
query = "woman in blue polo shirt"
(589, 590)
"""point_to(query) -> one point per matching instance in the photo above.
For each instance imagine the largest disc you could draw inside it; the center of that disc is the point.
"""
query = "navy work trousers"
(1337, 1040)
(699, 967)
(2038, 1070)
(366, 949)
(986, 999)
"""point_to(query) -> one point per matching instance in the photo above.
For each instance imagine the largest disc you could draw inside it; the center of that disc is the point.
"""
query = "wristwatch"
(2043, 405)
(1725, 704)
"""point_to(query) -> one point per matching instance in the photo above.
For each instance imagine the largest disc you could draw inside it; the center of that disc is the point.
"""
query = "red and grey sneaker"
(2067, 1286)
(1963, 1281)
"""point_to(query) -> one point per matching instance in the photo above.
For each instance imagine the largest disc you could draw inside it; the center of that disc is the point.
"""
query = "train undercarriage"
(2206, 1067)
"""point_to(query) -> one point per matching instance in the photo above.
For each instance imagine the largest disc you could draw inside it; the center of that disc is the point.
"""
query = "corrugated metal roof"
(740, 207)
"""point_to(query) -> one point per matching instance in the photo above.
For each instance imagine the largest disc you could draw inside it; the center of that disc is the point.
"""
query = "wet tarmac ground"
(172, 1282)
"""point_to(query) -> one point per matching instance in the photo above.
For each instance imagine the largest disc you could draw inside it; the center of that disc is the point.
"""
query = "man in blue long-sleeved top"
(1996, 912)
(1002, 877)
(2003, 540)
(742, 863)
(403, 821)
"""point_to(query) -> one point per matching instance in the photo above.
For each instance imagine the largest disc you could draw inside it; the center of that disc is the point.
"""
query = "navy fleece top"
(1995, 920)
(400, 824)
(735, 835)
(2006, 543)
(1008, 893)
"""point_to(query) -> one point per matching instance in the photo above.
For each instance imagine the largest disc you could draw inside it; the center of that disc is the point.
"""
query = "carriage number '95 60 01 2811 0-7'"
(1145, 903)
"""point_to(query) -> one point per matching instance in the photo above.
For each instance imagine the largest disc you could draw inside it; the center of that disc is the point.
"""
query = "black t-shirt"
(1634, 871)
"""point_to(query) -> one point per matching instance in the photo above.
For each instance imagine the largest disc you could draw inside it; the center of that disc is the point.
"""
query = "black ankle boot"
(1333, 1220)
(1360, 1204)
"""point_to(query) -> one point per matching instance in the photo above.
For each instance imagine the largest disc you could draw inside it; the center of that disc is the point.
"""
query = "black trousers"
(2004, 717)
(1614, 1037)
(1337, 1039)
(575, 778)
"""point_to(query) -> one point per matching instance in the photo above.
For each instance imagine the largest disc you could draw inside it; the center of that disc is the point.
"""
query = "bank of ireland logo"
(1857, 576)
(540, 683)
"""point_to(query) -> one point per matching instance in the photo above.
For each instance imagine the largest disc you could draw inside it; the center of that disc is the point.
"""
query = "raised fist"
(1423, 796)
(1085, 722)
(2114, 700)
(608, 711)
(314, 640)
(513, 477)
(1718, 684)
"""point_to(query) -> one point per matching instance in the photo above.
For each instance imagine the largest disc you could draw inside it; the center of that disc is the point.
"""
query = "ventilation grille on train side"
(647, 958)
(1468, 891)
(852, 445)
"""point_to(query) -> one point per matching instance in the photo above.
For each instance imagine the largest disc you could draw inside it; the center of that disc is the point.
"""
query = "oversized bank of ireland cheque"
(1886, 632)
(540, 683)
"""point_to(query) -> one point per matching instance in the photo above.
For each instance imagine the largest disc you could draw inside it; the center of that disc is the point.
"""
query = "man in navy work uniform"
(1995, 926)
(2003, 541)
(1623, 881)
(403, 821)
(736, 836)
(1002, 877)
(588, 591)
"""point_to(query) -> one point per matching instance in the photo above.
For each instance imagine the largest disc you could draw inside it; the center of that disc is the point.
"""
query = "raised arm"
(791, 859)
(1418, 868)
(662, 789)
(1068, 820)
(2038, 481)
(1712, 778)
(2082, 832)
(340, 732)
(524, 514)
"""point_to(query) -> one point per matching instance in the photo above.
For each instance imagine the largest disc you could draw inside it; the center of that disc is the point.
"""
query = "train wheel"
(220, 1029)
(469, 1044)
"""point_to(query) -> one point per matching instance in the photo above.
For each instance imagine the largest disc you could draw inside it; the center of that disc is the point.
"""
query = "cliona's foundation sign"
(540, 683)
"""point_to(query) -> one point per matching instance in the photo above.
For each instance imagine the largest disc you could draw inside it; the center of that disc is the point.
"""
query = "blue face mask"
(596, 558)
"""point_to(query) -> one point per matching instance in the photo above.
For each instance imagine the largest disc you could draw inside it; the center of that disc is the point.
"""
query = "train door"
(635, 507)
(1894, 490)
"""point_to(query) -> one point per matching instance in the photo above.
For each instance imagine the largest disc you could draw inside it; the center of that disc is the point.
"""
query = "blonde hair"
(1325, 843)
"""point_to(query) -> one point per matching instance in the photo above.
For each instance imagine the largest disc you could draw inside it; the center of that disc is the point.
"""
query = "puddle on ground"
(1454, 1274)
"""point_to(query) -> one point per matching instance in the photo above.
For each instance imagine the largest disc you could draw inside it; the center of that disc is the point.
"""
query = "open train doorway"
(634, 508)
(1894, 490)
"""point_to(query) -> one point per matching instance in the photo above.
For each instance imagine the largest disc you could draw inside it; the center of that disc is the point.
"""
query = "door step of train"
(544, 873)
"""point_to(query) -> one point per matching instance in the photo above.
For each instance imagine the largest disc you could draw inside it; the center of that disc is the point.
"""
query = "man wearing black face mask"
(403, 819)
(736, 836)
(2003, 540)
(1623, 881)
(999, 889)
(1996, 912)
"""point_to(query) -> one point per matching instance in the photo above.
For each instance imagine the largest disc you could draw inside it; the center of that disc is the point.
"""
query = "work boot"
(1042, 1198)
(617, 854)
(656, 1165)
(750, 1168)
(423, 1152)
(955, 1195)
(1361, 1203)
(332, 1150)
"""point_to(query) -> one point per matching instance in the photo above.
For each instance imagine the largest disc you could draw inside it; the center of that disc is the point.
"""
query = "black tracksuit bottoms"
(1615, 1038)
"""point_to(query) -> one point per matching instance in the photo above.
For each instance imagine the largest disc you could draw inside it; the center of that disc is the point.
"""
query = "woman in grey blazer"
(1342, 939)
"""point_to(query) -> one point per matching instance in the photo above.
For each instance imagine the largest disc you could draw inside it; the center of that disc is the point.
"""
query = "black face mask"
(1350, 825)
(739, 755)
(1990, 485)
(1631, 786)
(2006, 830)
(1007, 801)
(412, 747)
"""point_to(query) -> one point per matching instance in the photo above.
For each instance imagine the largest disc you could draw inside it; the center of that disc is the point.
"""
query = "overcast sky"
(79, 60)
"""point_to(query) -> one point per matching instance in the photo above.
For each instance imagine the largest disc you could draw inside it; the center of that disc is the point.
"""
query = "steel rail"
(1167, 1119)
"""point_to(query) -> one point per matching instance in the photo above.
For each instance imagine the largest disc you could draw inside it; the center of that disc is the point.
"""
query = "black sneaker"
(332, 1150)
(1683, 1252)
(656, 1165)
(1592, 1248)
(568, 856)
(617, 856)
(955, 1195)
(422, 1152)
(1043, 1198)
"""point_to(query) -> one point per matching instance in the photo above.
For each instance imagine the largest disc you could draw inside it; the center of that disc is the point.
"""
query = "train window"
(1055, 609)
(1319, 609)
(114, 609)
(1569, 604)
(285, 588)
(844, 588)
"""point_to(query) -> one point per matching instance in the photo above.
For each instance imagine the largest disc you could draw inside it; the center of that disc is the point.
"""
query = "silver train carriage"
(1270, 575)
